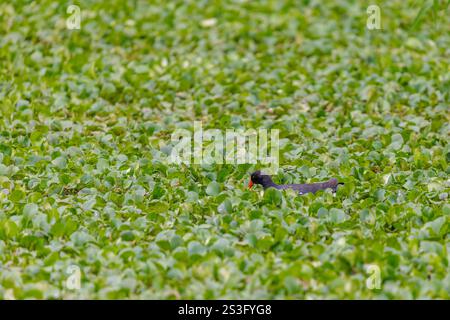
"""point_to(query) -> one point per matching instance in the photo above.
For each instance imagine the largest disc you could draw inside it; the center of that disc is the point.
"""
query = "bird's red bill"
(250, 184)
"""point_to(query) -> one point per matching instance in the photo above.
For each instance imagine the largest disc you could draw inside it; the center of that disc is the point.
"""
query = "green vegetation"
(85, 123)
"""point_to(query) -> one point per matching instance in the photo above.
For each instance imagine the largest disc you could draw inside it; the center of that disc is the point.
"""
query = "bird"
(266, 181)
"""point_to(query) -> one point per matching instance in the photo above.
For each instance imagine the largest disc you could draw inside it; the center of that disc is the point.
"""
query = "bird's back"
(311, 187)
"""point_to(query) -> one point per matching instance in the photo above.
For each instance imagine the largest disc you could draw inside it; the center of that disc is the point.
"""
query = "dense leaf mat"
(85, 123)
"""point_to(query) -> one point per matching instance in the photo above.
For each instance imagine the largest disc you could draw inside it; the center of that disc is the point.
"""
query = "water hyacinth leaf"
(91, 117)
(158, 206)
(213, 188)
(273, 196)
(30, 209)
(337, 215)
(195, 248)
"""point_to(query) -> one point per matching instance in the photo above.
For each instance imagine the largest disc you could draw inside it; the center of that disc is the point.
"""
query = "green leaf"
(437, 224)
(158, 206)
(10, 229)
(195, 248)
(30, 209)
(127, 235)
(60, 162)
(337, 215)
(225, 207)
(423, 10)
(16, 195)
(273, 196)
(213, 188)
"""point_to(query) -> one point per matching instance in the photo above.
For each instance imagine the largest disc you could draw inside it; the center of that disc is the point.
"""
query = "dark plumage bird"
(266, 181)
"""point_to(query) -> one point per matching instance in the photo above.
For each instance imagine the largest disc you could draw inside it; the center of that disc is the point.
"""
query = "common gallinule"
(266, 181)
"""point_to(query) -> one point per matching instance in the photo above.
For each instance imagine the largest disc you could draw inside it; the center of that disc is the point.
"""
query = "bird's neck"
(267, 183)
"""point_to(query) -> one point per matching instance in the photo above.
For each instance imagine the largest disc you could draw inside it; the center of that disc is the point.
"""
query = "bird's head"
(258, 178)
